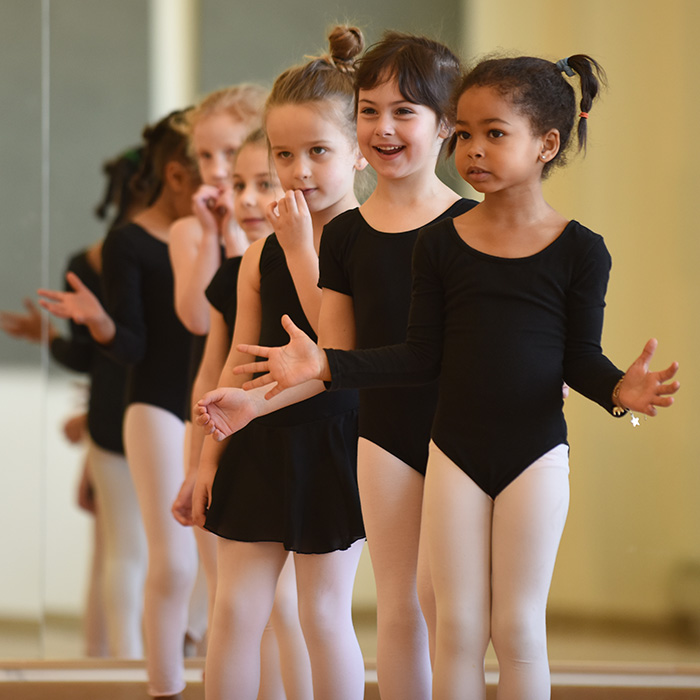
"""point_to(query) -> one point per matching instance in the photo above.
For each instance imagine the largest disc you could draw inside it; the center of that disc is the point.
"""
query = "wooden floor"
(109, 680)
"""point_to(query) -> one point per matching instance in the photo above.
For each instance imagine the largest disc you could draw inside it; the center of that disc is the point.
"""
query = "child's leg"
(325, 583)
(392, 495)
(457, 529)
(245, 591)
(528, 521)
(293, 654)
(125, 551)
(154, 439)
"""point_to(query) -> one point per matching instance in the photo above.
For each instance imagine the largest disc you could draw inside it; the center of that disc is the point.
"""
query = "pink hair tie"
(583, 115)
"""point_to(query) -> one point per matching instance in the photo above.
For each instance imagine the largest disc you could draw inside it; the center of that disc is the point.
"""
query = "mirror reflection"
(627, 581)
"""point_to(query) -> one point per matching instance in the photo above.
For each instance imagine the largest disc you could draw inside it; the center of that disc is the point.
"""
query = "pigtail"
(592, 77)
(163, 142)
(118, 193)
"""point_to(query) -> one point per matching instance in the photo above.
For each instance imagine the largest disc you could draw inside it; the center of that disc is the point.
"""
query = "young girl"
(255, 187)
(142, 330)
(197, 245)
(403, 87)
(115, 596)
(508, 302)
(288, 483)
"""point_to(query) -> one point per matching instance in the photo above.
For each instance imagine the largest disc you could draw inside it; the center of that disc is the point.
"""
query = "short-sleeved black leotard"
(290, 476)
(502, 334)
(150, 339)
(222, 291)
(374, 268)
(81, 353)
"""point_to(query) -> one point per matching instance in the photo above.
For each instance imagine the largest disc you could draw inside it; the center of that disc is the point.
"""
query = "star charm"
(635, 421)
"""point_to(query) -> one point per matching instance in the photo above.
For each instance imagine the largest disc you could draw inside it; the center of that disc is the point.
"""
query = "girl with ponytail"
(507, 304)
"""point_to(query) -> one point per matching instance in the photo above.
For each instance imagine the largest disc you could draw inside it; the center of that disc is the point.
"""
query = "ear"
(176, 176)
(360, 160)
(445, 130)
(551, 142)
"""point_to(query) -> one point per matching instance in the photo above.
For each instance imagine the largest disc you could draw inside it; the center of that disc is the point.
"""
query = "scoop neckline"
(489, 256)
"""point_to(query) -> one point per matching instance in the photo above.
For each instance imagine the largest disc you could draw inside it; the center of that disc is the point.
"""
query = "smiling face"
(215, 140)
(495, 146)
(255, 186)
(397, 137)
(313, 153)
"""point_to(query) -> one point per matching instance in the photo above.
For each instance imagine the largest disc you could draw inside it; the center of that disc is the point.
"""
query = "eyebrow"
(391, 104)
(491, 120)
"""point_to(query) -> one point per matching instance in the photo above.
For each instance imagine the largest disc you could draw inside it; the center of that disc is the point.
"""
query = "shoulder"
(185, 230)
(342, 226)
(461, 206)
(586, 241)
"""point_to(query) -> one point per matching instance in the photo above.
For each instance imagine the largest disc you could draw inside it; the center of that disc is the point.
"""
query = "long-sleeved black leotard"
(502, 334)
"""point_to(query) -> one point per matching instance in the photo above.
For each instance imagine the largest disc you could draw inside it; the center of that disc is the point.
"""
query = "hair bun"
(346, 44)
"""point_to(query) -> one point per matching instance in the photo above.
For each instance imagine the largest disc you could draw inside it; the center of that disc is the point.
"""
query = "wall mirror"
(78, 91)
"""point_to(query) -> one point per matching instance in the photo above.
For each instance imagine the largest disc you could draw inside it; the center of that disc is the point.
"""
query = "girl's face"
(312, 153)
(495, 146)
(255, 186)
(397, 137)
(215, 140)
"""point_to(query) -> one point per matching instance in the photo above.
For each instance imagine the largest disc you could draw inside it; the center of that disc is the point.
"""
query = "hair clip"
(563, 65)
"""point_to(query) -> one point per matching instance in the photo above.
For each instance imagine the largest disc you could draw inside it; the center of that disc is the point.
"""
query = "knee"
(285, 611)
(321, 618)
(463, 634)
(518, 637)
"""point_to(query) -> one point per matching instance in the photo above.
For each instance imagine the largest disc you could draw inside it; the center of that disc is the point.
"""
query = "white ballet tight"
(491, 563)
(247, 580)
(154, 439)
(392, 495)
(123, 551)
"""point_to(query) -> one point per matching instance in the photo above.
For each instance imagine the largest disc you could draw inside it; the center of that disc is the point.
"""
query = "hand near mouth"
(291, 220)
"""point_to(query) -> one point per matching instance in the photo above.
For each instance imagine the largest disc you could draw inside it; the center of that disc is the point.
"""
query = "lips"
(308, 191)
(389, 151)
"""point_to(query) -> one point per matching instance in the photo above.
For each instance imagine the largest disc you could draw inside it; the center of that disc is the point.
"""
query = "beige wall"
(635, 509)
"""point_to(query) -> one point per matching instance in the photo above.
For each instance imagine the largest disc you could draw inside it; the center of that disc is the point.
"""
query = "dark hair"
(425, 71)
(328, 77)
(118, 192)
(539, 90)
(165, 141)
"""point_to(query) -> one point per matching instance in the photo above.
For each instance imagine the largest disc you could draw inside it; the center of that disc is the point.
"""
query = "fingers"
(75, 282)
(648, 352)
(256, 350)
(262, 380)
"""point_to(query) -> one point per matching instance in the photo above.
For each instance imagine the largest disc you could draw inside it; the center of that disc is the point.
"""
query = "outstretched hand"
(27, 326)
(643, 391)
(224, 411)
(290, 365)
(80, 305)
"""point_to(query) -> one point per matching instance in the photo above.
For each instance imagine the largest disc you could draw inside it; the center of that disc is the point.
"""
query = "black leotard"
(374, 268)
(222, 291)
(81, 353)
(138, 291)
(502, 334)
(290, 476)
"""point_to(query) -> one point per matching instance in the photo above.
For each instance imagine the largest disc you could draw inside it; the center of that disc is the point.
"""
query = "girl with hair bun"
(508, 302)
(288, 483)
(403, 89)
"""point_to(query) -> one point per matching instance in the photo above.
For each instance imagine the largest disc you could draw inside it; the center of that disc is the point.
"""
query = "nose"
(246, 196)
(301, 169)
(384, 125)
(221, 168)
(475, 149)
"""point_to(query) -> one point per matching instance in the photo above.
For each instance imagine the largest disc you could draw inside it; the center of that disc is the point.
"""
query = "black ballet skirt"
(290, 476)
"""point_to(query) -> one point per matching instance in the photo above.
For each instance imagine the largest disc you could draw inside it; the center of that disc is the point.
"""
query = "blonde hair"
(244, 103)
(328, 77)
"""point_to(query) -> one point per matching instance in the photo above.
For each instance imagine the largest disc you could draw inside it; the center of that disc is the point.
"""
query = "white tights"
(392, 495)
(154, 439)
(123, 551)
(248, 576)
(491, 563)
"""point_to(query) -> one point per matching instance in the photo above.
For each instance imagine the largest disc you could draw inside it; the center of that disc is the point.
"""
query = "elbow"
(196, 321)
